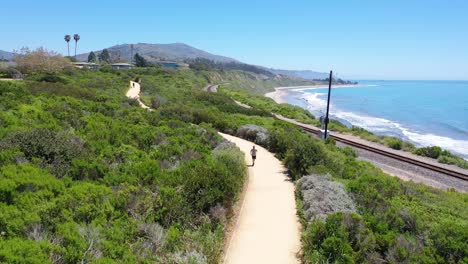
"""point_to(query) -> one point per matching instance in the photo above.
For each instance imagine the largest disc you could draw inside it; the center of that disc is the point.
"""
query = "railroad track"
(419, 163)
(446, 171)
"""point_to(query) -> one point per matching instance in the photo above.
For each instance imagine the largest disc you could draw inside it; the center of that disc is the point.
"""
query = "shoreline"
(280, 92)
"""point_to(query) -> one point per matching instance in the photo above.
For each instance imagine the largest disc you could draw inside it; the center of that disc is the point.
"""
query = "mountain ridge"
(304, 74)
(181, 52)
(5, 55)
(153, 52)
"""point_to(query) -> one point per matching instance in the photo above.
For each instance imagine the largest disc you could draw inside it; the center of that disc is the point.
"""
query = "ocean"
(425, 113)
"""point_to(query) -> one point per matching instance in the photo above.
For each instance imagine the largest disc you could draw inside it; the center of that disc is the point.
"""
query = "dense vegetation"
(201, 64)
(396, 221)
(86, 174)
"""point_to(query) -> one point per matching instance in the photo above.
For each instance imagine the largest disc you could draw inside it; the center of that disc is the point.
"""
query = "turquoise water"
(423, 112)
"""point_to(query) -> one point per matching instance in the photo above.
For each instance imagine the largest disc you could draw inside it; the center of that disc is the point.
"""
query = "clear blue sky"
(394, 39)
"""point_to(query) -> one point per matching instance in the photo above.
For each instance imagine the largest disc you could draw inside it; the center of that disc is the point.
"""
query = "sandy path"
(267, 230)
(134, 93)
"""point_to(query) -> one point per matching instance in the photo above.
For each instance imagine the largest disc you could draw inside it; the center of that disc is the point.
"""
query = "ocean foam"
(314, 103)
(320, 87)
(454, 145)
(384, 126)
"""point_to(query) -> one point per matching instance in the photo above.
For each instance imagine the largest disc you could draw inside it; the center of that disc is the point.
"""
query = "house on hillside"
(86, 65)
(172, 65)
(122, 66)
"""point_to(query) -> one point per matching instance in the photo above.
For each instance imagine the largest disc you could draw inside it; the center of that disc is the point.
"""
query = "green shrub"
(253, 133)
(19, 251)
(206, 186)
(408, 146)
(302, 155)
(8, 72)
(341, 238)
(330, 141)
(49, 78)
(431, 152)
(55, 150)
(350, 152)
(447, 160)
(394, 143)
(450, 240)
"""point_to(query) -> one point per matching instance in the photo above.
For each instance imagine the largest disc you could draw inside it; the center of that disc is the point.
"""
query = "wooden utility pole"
(328, 104)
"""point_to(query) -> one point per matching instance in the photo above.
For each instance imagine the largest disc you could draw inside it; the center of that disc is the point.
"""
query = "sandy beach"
(280, 92)
(277, 96)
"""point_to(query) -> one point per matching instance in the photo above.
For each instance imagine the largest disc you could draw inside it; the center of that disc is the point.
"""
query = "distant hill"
(307, 74)
(175, 51)
(181, 52)
(5, 55)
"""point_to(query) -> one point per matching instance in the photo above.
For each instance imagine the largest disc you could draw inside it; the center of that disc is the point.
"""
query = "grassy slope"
(397, 222)
(251, 82)
(82, 167)
(145, 178)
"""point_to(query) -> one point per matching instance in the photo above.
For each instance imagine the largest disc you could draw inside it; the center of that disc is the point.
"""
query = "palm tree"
(76, 37)
(67, 39)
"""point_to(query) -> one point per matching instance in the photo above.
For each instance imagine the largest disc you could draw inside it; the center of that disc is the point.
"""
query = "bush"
(41, 61)
(394, 143)
(341, 238)
(60, 89)
(322, 197)
(8, 72)
(304, 153)
(447, 160)
(253, 133)
(350, 152)
(431, 152)
(48, 77)
(450, 240)
(216, 182)
(158, 102)
(55, 150)
(16, 251)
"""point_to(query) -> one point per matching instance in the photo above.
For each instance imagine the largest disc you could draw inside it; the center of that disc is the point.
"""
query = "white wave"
(368, 122)
(319, 87)
(314, 103)
(454, 145)
(384, 126)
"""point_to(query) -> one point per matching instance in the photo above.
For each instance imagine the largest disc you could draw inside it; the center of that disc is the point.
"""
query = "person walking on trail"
(253, 153)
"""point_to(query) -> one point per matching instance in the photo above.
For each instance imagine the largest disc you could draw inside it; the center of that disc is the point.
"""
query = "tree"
(104, 56)
(40, 61)
(140, 61)
(67, 39)
(92, 57)
(76, 37)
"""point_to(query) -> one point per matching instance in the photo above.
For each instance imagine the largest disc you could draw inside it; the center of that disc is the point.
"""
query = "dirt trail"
(134, 93)
(267, 230)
